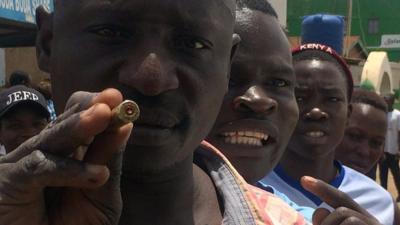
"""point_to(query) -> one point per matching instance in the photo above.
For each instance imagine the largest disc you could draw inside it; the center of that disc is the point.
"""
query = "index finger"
(331, 195)
(87, 99)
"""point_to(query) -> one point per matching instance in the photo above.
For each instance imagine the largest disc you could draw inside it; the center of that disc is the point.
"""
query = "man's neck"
(174, 198)
(296, 166)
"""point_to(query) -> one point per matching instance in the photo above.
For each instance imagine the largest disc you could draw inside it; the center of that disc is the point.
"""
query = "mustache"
(166, 109)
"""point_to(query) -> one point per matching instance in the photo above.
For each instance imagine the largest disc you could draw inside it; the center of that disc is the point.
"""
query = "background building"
(374, 24)
(17, 37)
(280, 7)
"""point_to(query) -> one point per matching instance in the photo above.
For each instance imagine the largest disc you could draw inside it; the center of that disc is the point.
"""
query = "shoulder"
(369, 195)
(364, 190)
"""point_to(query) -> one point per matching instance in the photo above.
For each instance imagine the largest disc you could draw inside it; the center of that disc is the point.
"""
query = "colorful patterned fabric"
(244, 204)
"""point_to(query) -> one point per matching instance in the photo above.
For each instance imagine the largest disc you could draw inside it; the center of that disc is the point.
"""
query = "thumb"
(319, 216)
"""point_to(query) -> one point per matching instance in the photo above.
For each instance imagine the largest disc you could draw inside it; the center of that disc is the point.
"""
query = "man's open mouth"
(251, 138)
(315, 134)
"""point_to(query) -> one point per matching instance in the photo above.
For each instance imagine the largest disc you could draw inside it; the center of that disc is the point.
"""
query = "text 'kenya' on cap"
(20, 94)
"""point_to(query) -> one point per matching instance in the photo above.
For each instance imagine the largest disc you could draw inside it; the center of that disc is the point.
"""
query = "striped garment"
(244, 204)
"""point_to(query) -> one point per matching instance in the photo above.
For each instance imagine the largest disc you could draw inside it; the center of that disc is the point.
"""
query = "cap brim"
(40, 108)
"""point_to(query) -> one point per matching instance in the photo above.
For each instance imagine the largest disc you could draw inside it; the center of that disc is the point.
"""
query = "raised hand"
(346, 210)
(69, 173)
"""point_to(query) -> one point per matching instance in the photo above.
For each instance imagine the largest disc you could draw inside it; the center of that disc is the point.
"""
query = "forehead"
(261, 32)
(262, 41)
(368, 118)
(207, 12)
(319, 74)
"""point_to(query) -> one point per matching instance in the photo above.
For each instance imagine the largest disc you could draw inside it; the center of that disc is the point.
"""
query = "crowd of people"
(235, 127)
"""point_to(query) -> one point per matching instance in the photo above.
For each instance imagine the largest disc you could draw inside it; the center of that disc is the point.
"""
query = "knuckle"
(35, 164)
(352, 220)
(342, 210)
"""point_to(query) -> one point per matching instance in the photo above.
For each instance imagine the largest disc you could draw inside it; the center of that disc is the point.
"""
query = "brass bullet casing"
(126, 112)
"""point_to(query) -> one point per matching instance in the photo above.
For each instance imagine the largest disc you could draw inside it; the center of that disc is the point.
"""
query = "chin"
(139, 160)
(252, 170)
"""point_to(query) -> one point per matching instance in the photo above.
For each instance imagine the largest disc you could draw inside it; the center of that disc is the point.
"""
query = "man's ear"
(44, 21)
(349, 112)
(235, 44)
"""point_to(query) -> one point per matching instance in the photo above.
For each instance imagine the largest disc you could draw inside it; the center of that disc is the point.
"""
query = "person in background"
(364, 137)
(259, 112)
(323, 91)
(44, 87)
(23, 114)
(173, 58)
(19, 77)
(390, 158)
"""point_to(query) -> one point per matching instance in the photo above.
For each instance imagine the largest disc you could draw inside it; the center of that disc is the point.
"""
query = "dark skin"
(173, 59)
(364, 138)
(257, 100)
(183, 69)
(324, 110)
(260, 108)
(20, 124)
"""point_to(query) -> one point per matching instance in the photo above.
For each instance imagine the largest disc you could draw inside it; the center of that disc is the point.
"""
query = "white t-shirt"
(2, 150)
(391, 143)
(362, 189)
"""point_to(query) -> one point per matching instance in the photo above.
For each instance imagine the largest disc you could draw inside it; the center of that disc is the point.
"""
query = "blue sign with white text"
(22, 10)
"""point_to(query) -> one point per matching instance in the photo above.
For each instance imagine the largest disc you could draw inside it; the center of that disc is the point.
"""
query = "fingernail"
(310, 180)
(96, 173)
(95, 169)
(89, 111)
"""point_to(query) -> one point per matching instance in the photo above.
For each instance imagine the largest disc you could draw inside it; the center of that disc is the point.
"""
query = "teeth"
(243, 141)
(315, 134)
(245, 137)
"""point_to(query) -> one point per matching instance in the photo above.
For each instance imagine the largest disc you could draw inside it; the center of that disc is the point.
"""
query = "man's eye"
(376, 144)
(190, 43)
(199, 45)
(279, 83)
(299, 98)
(334, 99)
(109, 32)
(13, 125)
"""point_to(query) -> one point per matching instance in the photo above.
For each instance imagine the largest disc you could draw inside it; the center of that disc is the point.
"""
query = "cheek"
(374, 154)
(7, 137)
(340, 117)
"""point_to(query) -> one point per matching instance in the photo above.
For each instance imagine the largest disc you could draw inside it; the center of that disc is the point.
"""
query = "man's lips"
(154, 127)
(313, 131)
(157, 118)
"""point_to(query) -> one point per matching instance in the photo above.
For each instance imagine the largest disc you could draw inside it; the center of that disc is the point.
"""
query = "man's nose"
(150, 78)
(255, 100)
(316, 114)
(362, 147)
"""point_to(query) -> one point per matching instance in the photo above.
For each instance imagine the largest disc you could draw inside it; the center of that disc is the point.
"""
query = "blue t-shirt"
(307, 212)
